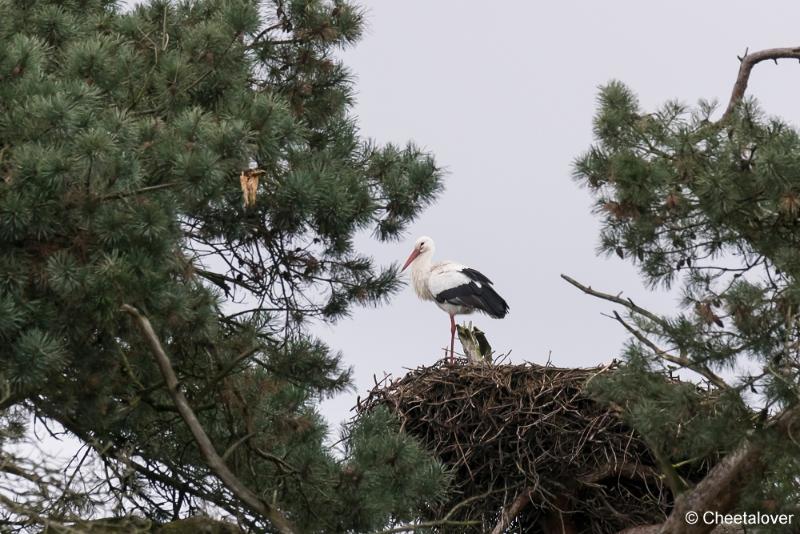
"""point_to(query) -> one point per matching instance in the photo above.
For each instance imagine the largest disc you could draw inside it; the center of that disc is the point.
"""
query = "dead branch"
(746, 66)
(700, 369)
(508, 514)
(124, 194)
(628, 303)
(215, 462)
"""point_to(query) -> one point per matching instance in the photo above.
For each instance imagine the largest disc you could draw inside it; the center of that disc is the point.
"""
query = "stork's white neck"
(420, 272)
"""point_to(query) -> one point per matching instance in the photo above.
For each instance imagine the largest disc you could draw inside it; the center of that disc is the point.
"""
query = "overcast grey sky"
(503, 93)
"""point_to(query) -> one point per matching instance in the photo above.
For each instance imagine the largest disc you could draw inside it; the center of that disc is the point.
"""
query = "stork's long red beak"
(412, 257)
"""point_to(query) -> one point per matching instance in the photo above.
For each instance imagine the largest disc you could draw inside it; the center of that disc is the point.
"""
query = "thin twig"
(228, 369)
(445, 521)
(236, 445)
(277, 460)
(123, 194)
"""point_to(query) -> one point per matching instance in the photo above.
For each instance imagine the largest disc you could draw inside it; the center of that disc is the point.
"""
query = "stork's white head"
(423, 247)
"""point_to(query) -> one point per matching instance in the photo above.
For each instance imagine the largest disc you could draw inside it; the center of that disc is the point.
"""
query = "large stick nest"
(526, 441)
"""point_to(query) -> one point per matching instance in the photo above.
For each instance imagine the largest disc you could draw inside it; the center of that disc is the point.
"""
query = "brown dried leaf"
(249, 182)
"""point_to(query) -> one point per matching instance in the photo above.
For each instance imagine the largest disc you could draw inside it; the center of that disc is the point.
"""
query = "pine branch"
(701, 369)
(108, 453)
(227, 370)
(215, 462)
(266, 31)
(277, 460)
(9, 465)
(717, 492)
(676, 483)
(747, 63)
(135, 192)
(33, 516)
(8, 400)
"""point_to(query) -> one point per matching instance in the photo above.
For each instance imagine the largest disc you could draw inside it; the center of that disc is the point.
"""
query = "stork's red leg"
(452, 338)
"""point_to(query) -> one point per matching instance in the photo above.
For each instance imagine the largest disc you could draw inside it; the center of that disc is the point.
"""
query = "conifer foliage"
(123, 136)
(710, 205)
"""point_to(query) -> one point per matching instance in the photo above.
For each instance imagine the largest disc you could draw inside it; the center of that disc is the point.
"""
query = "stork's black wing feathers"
(478, 294)
(476, 275)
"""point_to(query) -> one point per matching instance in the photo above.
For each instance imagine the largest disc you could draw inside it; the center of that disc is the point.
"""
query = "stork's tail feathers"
(492, 303)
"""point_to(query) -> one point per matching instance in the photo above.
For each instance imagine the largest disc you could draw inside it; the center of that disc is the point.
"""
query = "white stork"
(457, 289)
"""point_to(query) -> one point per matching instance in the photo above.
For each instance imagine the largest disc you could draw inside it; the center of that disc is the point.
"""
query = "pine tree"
(124, 136)
(711, 206)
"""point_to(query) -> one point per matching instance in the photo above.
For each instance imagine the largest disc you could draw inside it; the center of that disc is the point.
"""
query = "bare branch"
(628, 303)
(215, 462)
(701, 369)
(508, 514)
(277, 460)
(135, 192)
(746, 66)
